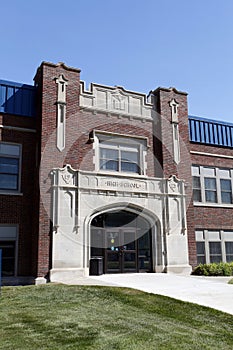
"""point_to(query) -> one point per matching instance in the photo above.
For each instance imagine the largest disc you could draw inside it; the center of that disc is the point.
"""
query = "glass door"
(121, 253)
(144, 253)
(129, 251)
(113, 251)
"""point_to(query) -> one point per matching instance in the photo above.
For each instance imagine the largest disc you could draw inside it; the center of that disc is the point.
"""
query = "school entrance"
(123, 240)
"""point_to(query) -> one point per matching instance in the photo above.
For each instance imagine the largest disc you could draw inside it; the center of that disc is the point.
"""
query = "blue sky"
(138, 44)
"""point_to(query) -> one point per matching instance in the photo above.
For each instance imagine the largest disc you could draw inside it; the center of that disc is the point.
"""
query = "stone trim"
(16, 128)
(79, 195)
(211, 154)
(115, 101)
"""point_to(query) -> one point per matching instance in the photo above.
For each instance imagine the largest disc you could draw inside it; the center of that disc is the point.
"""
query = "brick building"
(110, 173)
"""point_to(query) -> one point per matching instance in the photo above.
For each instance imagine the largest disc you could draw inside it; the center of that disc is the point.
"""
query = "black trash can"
(96, 266)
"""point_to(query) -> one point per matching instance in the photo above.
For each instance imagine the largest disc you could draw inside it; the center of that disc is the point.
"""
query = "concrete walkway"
(213, 292)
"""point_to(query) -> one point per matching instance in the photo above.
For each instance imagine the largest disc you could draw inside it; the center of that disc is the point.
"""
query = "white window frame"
(220, 236)
(120, 142)
(19, 157)
(201, 172)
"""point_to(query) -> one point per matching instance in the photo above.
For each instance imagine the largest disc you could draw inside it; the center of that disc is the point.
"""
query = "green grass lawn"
(58, 317)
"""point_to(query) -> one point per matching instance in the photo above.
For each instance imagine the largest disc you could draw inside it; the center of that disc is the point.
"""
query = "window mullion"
(141, 160)
(218, 186)
(119, 158)
(203, 199)
(222, 235)
(206, 236)
(231, 178)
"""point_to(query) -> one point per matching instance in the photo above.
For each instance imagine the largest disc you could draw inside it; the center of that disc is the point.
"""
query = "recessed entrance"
(123, 240)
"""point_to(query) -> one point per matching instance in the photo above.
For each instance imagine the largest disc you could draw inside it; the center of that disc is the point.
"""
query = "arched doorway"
(124, 240)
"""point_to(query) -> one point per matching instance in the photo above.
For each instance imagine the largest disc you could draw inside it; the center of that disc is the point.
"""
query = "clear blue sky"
(138, 44)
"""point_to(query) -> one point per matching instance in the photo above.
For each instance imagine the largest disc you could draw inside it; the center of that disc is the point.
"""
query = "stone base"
(179, 269)
(159, 269)
(40, 280)
(66, 275)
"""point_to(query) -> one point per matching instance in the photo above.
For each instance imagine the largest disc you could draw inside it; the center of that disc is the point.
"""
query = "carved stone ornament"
(118, 101)
(172, 182)
(61, 92)
(174, 110)
(172, 186)
(67, 178)
(67, 175)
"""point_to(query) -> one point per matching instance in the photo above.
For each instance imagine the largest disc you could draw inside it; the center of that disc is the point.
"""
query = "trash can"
(96, 266)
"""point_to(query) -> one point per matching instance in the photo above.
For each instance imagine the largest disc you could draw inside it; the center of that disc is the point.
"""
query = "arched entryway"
(124, 240)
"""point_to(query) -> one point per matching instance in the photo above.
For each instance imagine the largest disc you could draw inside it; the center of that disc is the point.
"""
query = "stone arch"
(149, 217)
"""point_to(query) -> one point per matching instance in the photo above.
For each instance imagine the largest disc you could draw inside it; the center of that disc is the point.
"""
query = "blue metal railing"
(17, 98)
(210, 132)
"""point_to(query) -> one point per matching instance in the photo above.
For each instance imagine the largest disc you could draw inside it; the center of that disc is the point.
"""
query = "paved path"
(208, 291)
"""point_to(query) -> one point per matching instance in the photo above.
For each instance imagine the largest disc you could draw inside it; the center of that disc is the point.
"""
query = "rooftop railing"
(210, 132)
(17, 98)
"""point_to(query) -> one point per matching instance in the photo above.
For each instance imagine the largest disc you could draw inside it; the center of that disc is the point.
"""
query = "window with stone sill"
(212, 185)
(9, 166)
(120, 154)
(214, 246)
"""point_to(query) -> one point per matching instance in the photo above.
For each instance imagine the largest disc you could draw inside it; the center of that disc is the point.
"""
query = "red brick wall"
(50, 157)
(19, 209)
(207, 217)
(183, 169)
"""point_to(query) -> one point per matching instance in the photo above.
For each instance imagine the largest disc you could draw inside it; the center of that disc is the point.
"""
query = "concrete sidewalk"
(213, 292)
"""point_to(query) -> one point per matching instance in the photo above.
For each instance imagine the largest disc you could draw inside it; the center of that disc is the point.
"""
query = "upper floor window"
(212, 185)
(9, 166)
(121, 154)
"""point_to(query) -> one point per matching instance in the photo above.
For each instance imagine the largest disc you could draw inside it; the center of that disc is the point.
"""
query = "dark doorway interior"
(123, 240)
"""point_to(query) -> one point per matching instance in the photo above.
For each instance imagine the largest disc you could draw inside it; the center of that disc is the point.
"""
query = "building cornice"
(171, 89)
(61, 64)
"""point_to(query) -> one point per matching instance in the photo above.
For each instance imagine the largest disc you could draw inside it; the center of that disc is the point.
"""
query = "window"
(215, 252)
(121, 154)
(212, 185)
(8, 240)
(196, 189)
(8, 258)
(214, 246)
(226, 192)
(229, 251)
(9, 166)
(119, 158)
(210, 190)
(200, 252)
